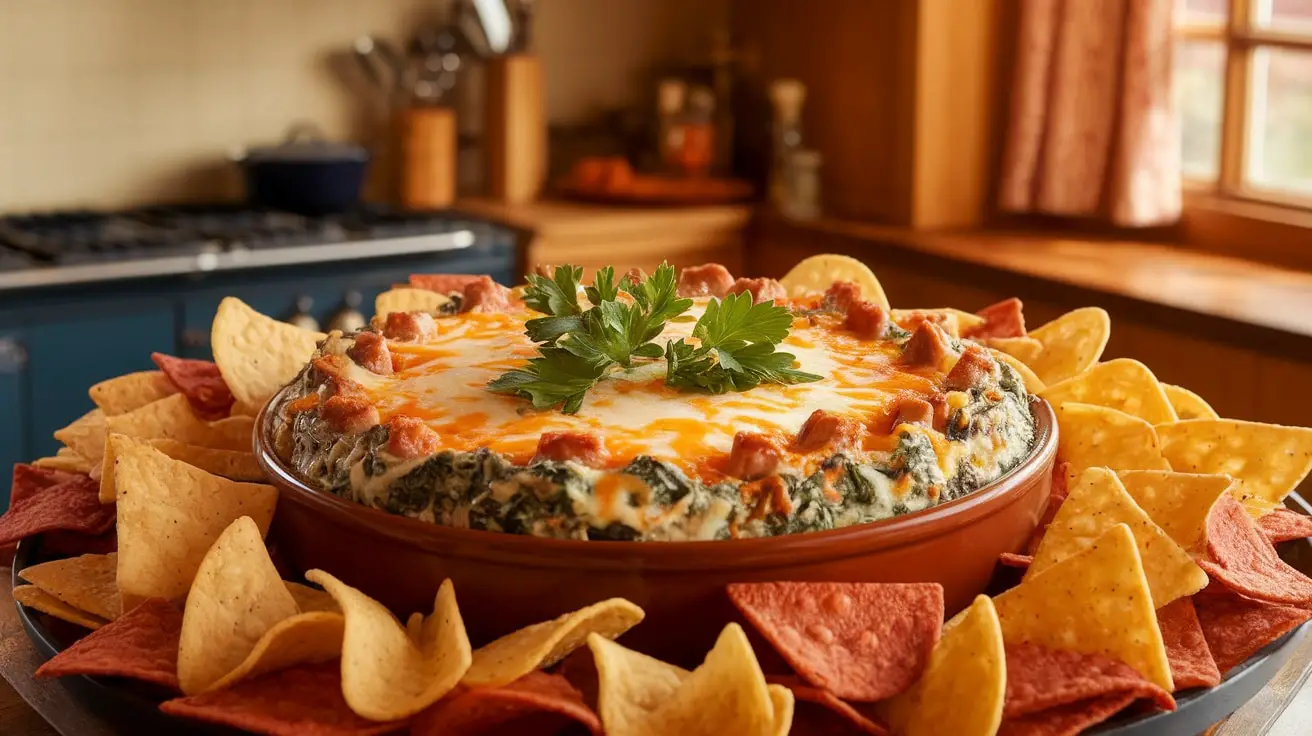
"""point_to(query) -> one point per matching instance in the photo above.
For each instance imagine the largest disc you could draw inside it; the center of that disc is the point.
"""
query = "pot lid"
(305, 142)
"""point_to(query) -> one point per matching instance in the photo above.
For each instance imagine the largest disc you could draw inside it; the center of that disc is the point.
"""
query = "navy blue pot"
(305, 174)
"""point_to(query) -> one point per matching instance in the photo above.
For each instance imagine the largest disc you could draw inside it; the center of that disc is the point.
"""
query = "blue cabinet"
(13, 406)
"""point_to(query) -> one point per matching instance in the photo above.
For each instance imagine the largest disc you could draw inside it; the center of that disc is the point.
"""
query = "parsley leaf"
(555, 377)
(558, 295)
(735, 320)
(603, 287)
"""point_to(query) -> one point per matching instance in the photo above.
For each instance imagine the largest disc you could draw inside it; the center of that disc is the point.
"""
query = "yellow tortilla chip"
(237, 597)
(1122, 384)
(781, 698)
(169, 514)
(33, 597)
(639, 695)
(818, 273)
(65, 460)
(1268, 460)
(230, 464)
(386, 675)
(86, 583)
(312, 599)
(1094, 436)
(132, 391)
(1178, 502)
(1187, 404)
(171, 418)
(1031, 381)
(541, 645)
(1097, 502)
(86, 435)
(964, 685)
(1096, 602)
(1257, 508)
(257, 355)
(1072, 343)
(1025, 348)
(406, 299)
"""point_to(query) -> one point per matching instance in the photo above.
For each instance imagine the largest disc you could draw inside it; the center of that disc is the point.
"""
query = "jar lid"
(305, 143)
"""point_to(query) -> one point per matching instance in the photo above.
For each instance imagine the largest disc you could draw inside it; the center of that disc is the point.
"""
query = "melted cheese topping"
(444, 382)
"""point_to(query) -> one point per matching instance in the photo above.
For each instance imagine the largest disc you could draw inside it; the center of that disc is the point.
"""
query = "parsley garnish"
(579, 347)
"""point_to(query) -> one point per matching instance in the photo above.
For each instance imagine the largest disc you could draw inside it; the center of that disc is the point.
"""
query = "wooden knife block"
(516, 129)
(428, 144)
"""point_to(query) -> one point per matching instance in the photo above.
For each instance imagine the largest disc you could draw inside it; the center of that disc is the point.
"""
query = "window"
(1243, 88)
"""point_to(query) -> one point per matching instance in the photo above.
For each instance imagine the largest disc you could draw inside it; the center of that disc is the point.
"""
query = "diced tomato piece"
(408, 437)
(410, 326)
(823, 430)
(371, 353)
(974, 365)
(927, 346)
(1004, 319)
(752, 456)
(349, 414)
(443, 283)
(485, 295)
(841, 295)
(914, 411)
(911, 321)
(581, 447)
(762, 290)
(710, 279)
(636, 275)
(867, 320)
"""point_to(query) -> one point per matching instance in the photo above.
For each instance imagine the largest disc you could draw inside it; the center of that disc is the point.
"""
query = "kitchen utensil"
(516, 128)
(523, 26)
(305, 173)
(494, 18)
(384, 66)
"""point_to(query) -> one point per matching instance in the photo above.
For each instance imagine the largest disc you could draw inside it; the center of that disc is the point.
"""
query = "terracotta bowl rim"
(547, 553)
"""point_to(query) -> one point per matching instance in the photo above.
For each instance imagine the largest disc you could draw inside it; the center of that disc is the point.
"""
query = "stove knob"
(348, 318)
(302, 318)
(13, 356)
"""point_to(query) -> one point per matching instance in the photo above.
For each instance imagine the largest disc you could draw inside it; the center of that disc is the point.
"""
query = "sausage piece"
(752, 456)
(408, 438)
(485, 295)
(762, 290)
(710, 279)
(370, 352)
(972, 368)
(927, 346)
(349, 414)
(581, 447)
(914, 411)
(842, 295)
(636, 275)
(867, 320)
(1004, 319)
(823, 430)
(410, 326)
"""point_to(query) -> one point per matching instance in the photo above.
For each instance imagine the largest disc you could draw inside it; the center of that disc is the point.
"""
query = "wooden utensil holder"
(516, 128)
(428, 146)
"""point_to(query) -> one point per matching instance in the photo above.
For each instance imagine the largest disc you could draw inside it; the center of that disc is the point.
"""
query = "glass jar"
(802, 185)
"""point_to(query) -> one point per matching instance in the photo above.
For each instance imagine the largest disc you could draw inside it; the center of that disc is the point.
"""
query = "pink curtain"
(1092, 130)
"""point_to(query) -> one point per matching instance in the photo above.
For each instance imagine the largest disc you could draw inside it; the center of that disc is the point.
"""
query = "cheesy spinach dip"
(654, 408)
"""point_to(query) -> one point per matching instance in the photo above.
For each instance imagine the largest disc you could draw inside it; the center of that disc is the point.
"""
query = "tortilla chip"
(386, 675)
(1245, 562)
(1039, 678)
(302, 639)
(69, 462)
(85, 582)
(257, 355)
(819, 272)
(1191, 661)
(962, 690)
(200, 381)
(28, 480)
(230, 464)
(1187, 404)
(841, 715)
(403, 299)
(1095, 436)
(1018, 561)
(1285, 525)
(142, 644)
(313, 599)
(1122, 384)
(726, 694)
(541, 645)
(1025, 349)
(1027, 377)
(292, 702)
(170, 514)
(1177, 502)
(33, 597)
(72, 505)
(1068, 720)
(1236, 628)
(1268, 460)
(535, 703)
(172, 418)
(781, 699)
(132, 391)
(86, 435)
(1096, 602)
(1072, 344)
(1095, 504)
(860, 641)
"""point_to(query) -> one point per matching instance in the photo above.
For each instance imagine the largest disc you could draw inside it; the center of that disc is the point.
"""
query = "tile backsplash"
(122, 102)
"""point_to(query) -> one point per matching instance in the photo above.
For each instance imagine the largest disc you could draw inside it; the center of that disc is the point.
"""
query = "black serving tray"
(127, 702)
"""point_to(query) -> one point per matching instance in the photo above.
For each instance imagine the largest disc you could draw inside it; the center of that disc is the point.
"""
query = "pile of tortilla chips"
(1153, 572)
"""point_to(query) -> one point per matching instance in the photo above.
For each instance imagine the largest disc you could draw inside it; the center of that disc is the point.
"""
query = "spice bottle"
(670, 98)
(787, 96)
(697, 134)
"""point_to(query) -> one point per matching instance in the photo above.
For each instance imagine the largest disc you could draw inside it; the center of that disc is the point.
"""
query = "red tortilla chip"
(1011, 559)
(1236, 627)
(142, 644)
(1067, 720)
(1056, 497)
(535, 703)
(1186, 646)
(305, 700)
(29, 479)
(1039, 678)
(1004, 319)
(1244, 561)
(442, 283)
(63, 543)
(200, 381)
(860, 641)
(1284, 525)
(73, 505)
(844, 712)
